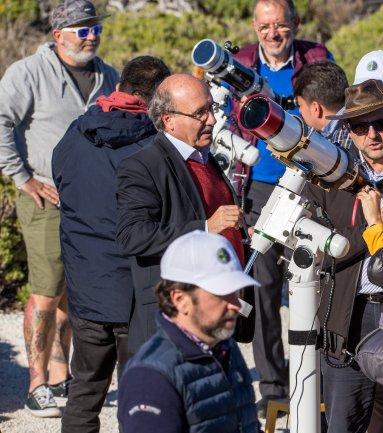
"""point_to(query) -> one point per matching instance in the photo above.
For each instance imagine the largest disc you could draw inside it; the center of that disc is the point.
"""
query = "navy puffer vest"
(214, 400)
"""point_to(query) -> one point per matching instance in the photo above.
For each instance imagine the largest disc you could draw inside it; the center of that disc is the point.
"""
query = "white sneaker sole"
(61, 401)
(52, 412)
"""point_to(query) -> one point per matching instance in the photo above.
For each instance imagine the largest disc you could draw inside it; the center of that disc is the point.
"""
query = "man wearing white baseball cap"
(190, 376)
(370, 67)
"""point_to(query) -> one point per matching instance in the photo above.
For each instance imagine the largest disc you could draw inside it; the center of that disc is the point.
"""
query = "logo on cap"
(223, 255)
(372, 66)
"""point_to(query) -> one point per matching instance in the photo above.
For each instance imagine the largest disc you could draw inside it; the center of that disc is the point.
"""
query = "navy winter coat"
(84, 167)
(172, 386)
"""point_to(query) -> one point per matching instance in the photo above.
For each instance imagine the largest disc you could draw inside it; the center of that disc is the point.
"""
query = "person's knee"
(45, 303)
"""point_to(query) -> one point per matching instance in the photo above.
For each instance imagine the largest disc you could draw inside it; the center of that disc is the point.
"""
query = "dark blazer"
(157, 202)
(339, 206)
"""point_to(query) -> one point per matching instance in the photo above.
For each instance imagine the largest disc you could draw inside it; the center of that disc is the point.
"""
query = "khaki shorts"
(40, 228)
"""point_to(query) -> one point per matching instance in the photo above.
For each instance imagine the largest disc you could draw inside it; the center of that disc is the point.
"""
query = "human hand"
(370, 200)
(225, 217)
(39, 191)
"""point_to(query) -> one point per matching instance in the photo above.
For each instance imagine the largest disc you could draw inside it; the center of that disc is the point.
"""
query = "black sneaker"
(61, 389)
(40, 403)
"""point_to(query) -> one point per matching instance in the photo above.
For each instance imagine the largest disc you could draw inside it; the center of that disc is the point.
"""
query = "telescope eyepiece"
(229, 47)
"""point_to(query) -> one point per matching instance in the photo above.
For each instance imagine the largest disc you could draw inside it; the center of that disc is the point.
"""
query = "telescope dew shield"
(283, 132)
(268, 121)
(209, 56)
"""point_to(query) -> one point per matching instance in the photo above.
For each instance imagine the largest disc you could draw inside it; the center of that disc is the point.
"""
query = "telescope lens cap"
(204, 53)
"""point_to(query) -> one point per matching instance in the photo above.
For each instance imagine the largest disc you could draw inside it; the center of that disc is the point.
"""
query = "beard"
(77, 54)
(222, 334)
(216, 330)
(282, 50)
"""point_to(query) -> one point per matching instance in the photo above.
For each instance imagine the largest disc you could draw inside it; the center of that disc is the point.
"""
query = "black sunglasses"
(363, 127)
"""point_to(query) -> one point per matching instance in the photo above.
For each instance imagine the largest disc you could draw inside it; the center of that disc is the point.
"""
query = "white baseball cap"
(206, 260)
(370, 67)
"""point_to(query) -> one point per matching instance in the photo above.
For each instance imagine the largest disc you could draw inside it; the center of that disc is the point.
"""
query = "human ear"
(181, 301)
(57, 35)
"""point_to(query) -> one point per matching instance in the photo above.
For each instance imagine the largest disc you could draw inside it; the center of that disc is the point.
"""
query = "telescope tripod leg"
(304, 358)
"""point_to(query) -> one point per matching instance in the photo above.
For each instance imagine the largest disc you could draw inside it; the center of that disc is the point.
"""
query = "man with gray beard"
(190, 376)
(39, 97)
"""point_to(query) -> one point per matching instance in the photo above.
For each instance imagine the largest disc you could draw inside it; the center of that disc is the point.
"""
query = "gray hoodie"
(38, 101)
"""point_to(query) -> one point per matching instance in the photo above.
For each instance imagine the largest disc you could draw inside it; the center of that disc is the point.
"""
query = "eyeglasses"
(279, 27)
(83, 32)
(201, 115)
(362, 128)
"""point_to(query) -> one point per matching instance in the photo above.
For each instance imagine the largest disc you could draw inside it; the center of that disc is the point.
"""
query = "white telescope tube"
(288, 134)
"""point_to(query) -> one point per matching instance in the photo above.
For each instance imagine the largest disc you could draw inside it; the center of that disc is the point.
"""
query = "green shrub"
(13, 272)
(351, 42)
(10, 10)
(167, 36)
(238, 9)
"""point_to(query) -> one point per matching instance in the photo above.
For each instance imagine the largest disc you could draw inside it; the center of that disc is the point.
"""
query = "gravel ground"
(14, 377)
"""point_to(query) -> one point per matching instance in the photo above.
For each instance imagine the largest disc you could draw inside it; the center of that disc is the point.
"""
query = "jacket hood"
(116, 128)
(122, 101)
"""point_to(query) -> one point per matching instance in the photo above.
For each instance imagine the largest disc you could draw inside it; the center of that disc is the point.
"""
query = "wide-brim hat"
(73, 12)
(361, 99)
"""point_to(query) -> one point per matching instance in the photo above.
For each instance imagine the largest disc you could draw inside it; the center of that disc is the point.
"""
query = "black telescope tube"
(212, 58)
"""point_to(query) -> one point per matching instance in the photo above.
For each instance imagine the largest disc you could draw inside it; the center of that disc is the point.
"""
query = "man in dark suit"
(172, 187)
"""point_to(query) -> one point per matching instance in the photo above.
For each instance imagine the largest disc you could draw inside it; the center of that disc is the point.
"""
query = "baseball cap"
(206, 260)
(72, 12)
(370, 66)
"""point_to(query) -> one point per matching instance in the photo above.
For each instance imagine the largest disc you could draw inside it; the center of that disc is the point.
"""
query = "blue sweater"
(269, 170)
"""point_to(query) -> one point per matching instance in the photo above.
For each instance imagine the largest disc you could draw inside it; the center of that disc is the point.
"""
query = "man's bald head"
(183, 107)
(172, 94)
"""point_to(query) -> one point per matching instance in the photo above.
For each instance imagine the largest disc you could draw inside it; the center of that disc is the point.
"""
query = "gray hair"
(288, 3)
(160, 104)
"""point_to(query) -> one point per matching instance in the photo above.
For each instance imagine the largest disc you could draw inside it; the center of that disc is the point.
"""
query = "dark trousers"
(376, 423)
(267, 344)
(96, 349)
(348, 394)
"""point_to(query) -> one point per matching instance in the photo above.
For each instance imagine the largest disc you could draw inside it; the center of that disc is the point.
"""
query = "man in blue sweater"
(277, 57)
(190, 377)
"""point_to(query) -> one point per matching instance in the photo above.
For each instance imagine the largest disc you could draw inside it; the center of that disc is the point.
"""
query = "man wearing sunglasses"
(277, 57)
(355, 311)
(39, 97)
